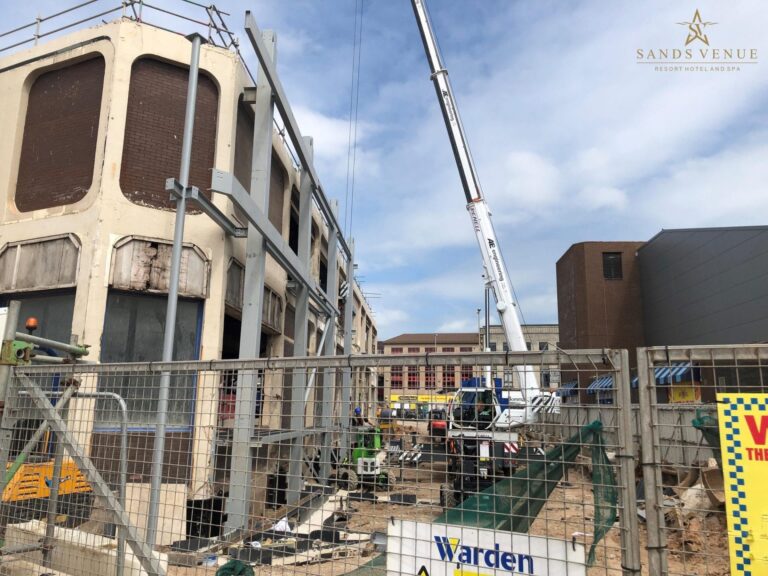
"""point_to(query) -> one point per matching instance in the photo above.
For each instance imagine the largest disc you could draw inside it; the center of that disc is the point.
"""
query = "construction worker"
(485, 412)
(358, 419)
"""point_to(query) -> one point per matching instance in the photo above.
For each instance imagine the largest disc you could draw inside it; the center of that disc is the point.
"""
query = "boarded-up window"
(244, 144)
(235, 278)
(293, 225)
(144, 264)
(272, 310)
(276, 194)
(134, 328)
(60, 130)
(43, 264)
(290, 322)
(272, 313)
(154, 130)
(53, 310)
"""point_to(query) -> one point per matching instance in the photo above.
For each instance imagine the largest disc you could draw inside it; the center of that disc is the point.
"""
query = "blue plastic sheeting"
(602, 383)
(675, 373)
(568, 389)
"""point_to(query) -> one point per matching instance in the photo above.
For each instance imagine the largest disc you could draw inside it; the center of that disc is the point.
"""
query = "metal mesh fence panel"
(412, 464)
(685, 482)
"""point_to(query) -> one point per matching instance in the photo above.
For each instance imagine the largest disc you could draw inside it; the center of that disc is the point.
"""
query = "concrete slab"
(172, 515)
(76, 552)
(19, 567)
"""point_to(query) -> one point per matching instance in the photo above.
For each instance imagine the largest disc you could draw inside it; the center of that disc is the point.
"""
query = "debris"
(712, 478)
(695, 500)
(235, 568)
(282, 526)
(400, 499)
(363, 496)
(693, 535)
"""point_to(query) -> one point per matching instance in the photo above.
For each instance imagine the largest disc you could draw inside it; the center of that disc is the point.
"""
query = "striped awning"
(675, 373)
(600, 384)
(568, 389)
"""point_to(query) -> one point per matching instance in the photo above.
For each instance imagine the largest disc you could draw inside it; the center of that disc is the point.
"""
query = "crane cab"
(476, 406)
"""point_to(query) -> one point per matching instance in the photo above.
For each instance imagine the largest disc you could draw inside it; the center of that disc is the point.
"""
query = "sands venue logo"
(697, 52)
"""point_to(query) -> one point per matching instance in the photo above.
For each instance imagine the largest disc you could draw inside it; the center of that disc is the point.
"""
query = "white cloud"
(603, 197)
(389, 319)
(331, 144)
(727, 188)
(461, 325)
(532, 182)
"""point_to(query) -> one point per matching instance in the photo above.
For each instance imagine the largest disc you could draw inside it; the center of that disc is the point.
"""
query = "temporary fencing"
(686, 482)
(372, 465)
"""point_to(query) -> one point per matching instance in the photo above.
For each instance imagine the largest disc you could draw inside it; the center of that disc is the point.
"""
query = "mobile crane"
(484, 430)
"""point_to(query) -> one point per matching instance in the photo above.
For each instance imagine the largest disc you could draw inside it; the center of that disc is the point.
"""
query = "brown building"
(599, 303)
(599, 296)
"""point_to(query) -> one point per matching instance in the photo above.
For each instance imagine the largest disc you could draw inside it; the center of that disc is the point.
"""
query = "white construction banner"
(424, 549)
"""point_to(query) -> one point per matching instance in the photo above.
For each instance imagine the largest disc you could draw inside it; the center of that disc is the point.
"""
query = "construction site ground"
(696, 539)
(697, 544)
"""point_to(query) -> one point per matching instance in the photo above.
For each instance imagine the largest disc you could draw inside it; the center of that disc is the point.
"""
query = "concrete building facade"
(92, 125)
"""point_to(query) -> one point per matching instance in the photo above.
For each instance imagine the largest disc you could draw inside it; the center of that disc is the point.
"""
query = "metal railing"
(213, 24)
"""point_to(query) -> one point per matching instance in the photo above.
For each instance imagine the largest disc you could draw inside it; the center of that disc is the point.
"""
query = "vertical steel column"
(11, 322)
(53, 498)
(299, 377)
(346, 389)
(651, 458)
(329, 374)
(8, 421)
(173, 294)
(630, 535)
(253, 303)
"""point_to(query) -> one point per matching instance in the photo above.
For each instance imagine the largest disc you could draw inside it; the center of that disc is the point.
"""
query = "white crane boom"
(493, 261)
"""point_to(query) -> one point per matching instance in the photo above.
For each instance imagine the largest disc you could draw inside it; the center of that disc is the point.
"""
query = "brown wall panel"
(59, 144)
(155, 129)
(105, 450)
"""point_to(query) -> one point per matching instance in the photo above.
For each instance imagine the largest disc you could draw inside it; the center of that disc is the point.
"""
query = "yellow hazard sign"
(743, 422)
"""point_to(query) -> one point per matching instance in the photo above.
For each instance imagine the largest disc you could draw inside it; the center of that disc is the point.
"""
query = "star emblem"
(696, 29)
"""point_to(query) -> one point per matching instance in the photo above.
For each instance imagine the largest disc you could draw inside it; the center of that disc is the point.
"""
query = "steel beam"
(267, 69)
(173, 294)
(253, 303)
(275, 437)
(276, 246)
(346, 378)
(329, 374)
(300, 332)
(630, 548)
(193, 193)
(46, 343)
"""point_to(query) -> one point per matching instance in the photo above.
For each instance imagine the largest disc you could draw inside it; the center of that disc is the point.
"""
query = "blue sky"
(573, 140)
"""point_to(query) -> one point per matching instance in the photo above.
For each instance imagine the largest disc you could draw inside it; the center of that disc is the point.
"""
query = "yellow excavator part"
(33, 480)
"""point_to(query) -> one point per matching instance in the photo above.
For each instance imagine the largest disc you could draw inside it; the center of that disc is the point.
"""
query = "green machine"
(366, 464)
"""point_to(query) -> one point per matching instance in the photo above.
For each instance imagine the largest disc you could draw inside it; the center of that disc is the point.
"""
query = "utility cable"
(354, 100)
